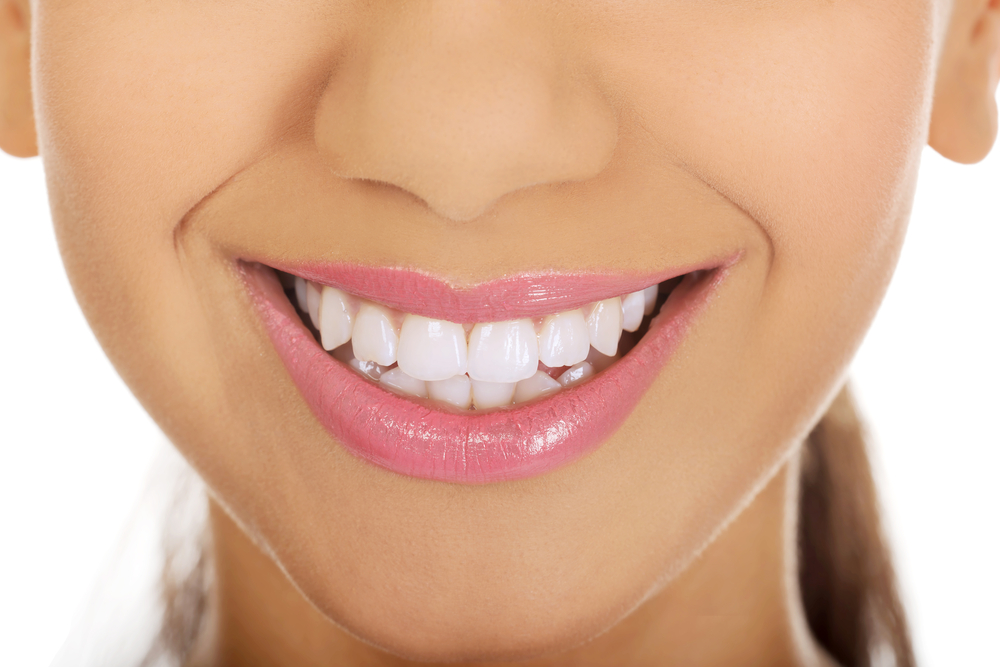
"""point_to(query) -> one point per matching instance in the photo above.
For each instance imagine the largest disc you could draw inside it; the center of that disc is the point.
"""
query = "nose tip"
(461, 110)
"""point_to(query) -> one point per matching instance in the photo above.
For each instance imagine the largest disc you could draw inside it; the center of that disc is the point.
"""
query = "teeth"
(376, 337)
(312, 302)
(401, 382)
(600, 361)
(649, 297)
(576, 374)
(503, 352)
(502, 362)
(336, 317)
(300, 294)
(564, 339)
(492, 394)
(455, 390)
(369, 369)
(537, 385)
(605, 325)
(432, 349)
(632, 310)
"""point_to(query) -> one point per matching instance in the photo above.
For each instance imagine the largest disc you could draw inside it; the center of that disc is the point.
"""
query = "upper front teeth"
(633, 309)
(312, 302)
(432, 349)
(564, 339)
(605, 324)
(337, 311)
(493, 364)
(503, 351)
(376, 335)
(300, 294)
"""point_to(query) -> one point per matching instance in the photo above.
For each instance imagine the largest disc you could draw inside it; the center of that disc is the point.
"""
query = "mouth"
(501, 381)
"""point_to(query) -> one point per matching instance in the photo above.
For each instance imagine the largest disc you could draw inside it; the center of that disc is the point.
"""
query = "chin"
(464, 626)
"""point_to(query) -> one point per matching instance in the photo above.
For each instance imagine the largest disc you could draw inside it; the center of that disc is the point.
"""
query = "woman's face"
(774, 141)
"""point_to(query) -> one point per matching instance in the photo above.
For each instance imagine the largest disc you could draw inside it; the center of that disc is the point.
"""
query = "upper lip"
(523, 295)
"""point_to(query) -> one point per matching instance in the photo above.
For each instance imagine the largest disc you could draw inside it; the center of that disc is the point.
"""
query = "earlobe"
(17, 121)
(964, 120)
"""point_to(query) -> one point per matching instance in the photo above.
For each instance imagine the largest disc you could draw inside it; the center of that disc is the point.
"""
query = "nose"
(462, 102)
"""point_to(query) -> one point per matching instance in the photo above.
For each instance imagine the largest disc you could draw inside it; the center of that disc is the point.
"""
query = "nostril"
(456, 208)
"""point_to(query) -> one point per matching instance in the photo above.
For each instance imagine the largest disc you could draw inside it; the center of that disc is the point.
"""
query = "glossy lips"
(414, 438)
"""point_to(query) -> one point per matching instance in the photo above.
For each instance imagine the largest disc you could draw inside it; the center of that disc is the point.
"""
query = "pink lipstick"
(417, 437)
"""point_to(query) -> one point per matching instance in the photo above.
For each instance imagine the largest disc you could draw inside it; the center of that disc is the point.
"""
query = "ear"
(17, 119)
(964, 120)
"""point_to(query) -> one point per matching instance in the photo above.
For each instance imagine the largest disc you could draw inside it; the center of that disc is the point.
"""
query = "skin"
(565, 135)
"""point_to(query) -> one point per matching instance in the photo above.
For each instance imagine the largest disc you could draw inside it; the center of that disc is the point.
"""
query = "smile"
(500, 381)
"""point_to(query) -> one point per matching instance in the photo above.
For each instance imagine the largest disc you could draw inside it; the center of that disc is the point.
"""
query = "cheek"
(143, 111)
(810, 118)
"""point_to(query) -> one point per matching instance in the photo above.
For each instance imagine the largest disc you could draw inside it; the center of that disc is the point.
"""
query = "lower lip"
(414, 439)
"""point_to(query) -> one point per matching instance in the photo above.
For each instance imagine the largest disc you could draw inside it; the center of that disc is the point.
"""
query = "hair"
(848, 584)
(847, 581)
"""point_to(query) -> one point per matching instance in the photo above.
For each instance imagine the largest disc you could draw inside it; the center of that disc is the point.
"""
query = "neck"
(737, 604)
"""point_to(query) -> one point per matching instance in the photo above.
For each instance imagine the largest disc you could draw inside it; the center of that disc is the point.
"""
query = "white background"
(76, 445)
